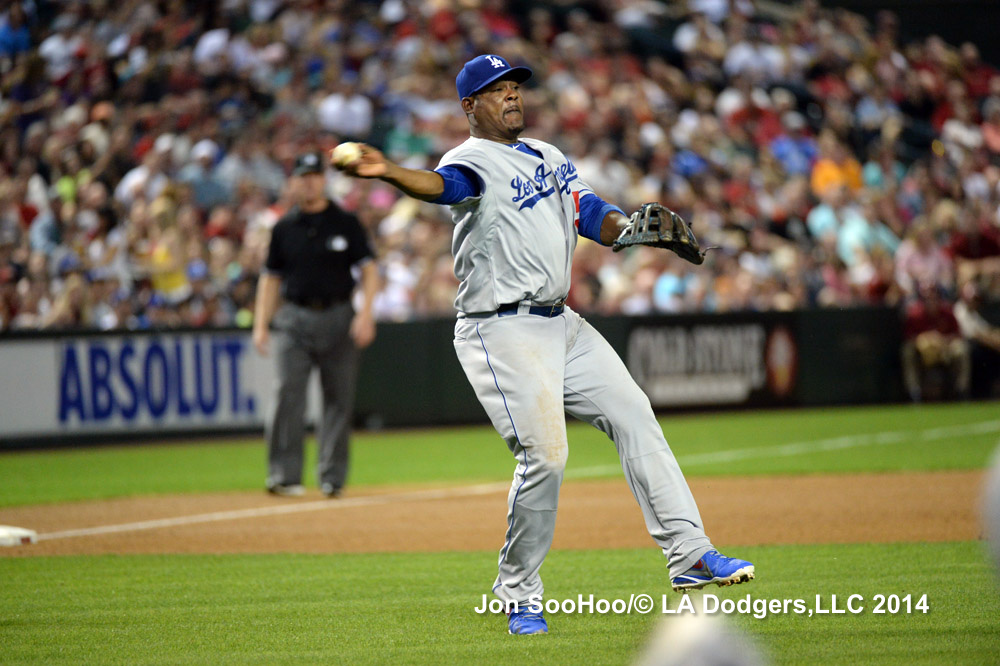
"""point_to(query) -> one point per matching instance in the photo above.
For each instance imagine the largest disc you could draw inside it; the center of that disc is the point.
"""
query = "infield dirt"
(858, 508)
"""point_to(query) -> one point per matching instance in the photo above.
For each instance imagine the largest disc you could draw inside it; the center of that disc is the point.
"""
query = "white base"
(16, 536)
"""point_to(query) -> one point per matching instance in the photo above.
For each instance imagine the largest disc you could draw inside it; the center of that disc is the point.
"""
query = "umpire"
(313, 249)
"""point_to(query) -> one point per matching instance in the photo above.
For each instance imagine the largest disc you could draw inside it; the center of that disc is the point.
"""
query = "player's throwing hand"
(371, 163)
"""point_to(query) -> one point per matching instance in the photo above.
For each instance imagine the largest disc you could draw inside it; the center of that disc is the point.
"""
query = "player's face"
(497, 111)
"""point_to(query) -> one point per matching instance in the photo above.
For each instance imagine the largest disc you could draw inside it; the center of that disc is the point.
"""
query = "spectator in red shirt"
(935, 355)
(975, 72)
(974, 246)
(984, 342)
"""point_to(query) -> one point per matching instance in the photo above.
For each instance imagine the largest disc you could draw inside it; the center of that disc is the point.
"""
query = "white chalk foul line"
(791, 449)
(283, 509)
(811, 446)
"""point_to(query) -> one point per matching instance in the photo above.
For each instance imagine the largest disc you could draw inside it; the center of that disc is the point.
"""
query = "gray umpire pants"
(302, 339)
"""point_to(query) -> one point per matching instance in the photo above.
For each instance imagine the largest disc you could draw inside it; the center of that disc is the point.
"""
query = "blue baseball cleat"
(714, 567)
(525, 622)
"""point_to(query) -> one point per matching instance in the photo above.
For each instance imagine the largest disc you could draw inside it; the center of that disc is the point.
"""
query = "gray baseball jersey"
(516, 240)
(513, 244)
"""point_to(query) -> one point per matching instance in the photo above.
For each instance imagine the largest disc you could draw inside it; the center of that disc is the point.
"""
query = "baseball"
(346, 153)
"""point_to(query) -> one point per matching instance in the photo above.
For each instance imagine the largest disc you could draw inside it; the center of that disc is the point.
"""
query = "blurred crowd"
(146, 147)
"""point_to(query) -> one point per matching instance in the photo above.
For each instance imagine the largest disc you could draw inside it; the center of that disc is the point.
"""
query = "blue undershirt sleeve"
(460, 183)
(592, 211)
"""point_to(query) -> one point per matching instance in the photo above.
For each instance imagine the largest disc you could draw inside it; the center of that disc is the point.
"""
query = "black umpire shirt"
(313, 253)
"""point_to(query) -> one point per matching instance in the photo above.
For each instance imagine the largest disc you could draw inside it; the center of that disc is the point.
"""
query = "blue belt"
(540, 310)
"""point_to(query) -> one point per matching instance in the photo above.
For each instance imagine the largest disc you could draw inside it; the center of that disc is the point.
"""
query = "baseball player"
(518, 207)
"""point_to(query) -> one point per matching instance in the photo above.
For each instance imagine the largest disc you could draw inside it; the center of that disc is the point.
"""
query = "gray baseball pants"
(528, 372)
(302, 339)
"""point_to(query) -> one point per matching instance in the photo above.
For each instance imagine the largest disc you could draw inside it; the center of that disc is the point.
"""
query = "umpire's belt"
(316, 303)
(553, 310)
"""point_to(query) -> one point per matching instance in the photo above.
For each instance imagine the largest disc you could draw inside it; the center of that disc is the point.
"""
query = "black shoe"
(289, 490)
(330, 491)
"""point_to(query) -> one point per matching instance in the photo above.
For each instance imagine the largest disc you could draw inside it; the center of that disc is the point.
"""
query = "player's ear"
(468, 104)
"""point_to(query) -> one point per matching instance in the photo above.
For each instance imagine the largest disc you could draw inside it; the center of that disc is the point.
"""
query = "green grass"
(745, 443)
(418, 608)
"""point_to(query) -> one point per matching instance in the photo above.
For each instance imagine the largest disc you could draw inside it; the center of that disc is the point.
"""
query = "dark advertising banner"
(717, 361)
(127, 385)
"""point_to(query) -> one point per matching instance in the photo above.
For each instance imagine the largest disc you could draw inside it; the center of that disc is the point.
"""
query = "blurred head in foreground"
(991, 510)
(699, 639)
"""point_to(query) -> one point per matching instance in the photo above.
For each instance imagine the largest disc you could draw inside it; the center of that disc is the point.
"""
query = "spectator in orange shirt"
(836, 167)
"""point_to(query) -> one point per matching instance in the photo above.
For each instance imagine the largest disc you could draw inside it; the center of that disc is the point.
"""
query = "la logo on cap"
(496, 62)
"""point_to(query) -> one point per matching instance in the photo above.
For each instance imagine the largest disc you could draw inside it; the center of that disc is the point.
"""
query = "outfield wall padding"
(74, 387)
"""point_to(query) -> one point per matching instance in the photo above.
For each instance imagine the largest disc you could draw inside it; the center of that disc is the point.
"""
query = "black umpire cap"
(308, 163)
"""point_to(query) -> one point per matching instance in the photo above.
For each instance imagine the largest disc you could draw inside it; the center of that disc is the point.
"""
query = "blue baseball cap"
(483, 70)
